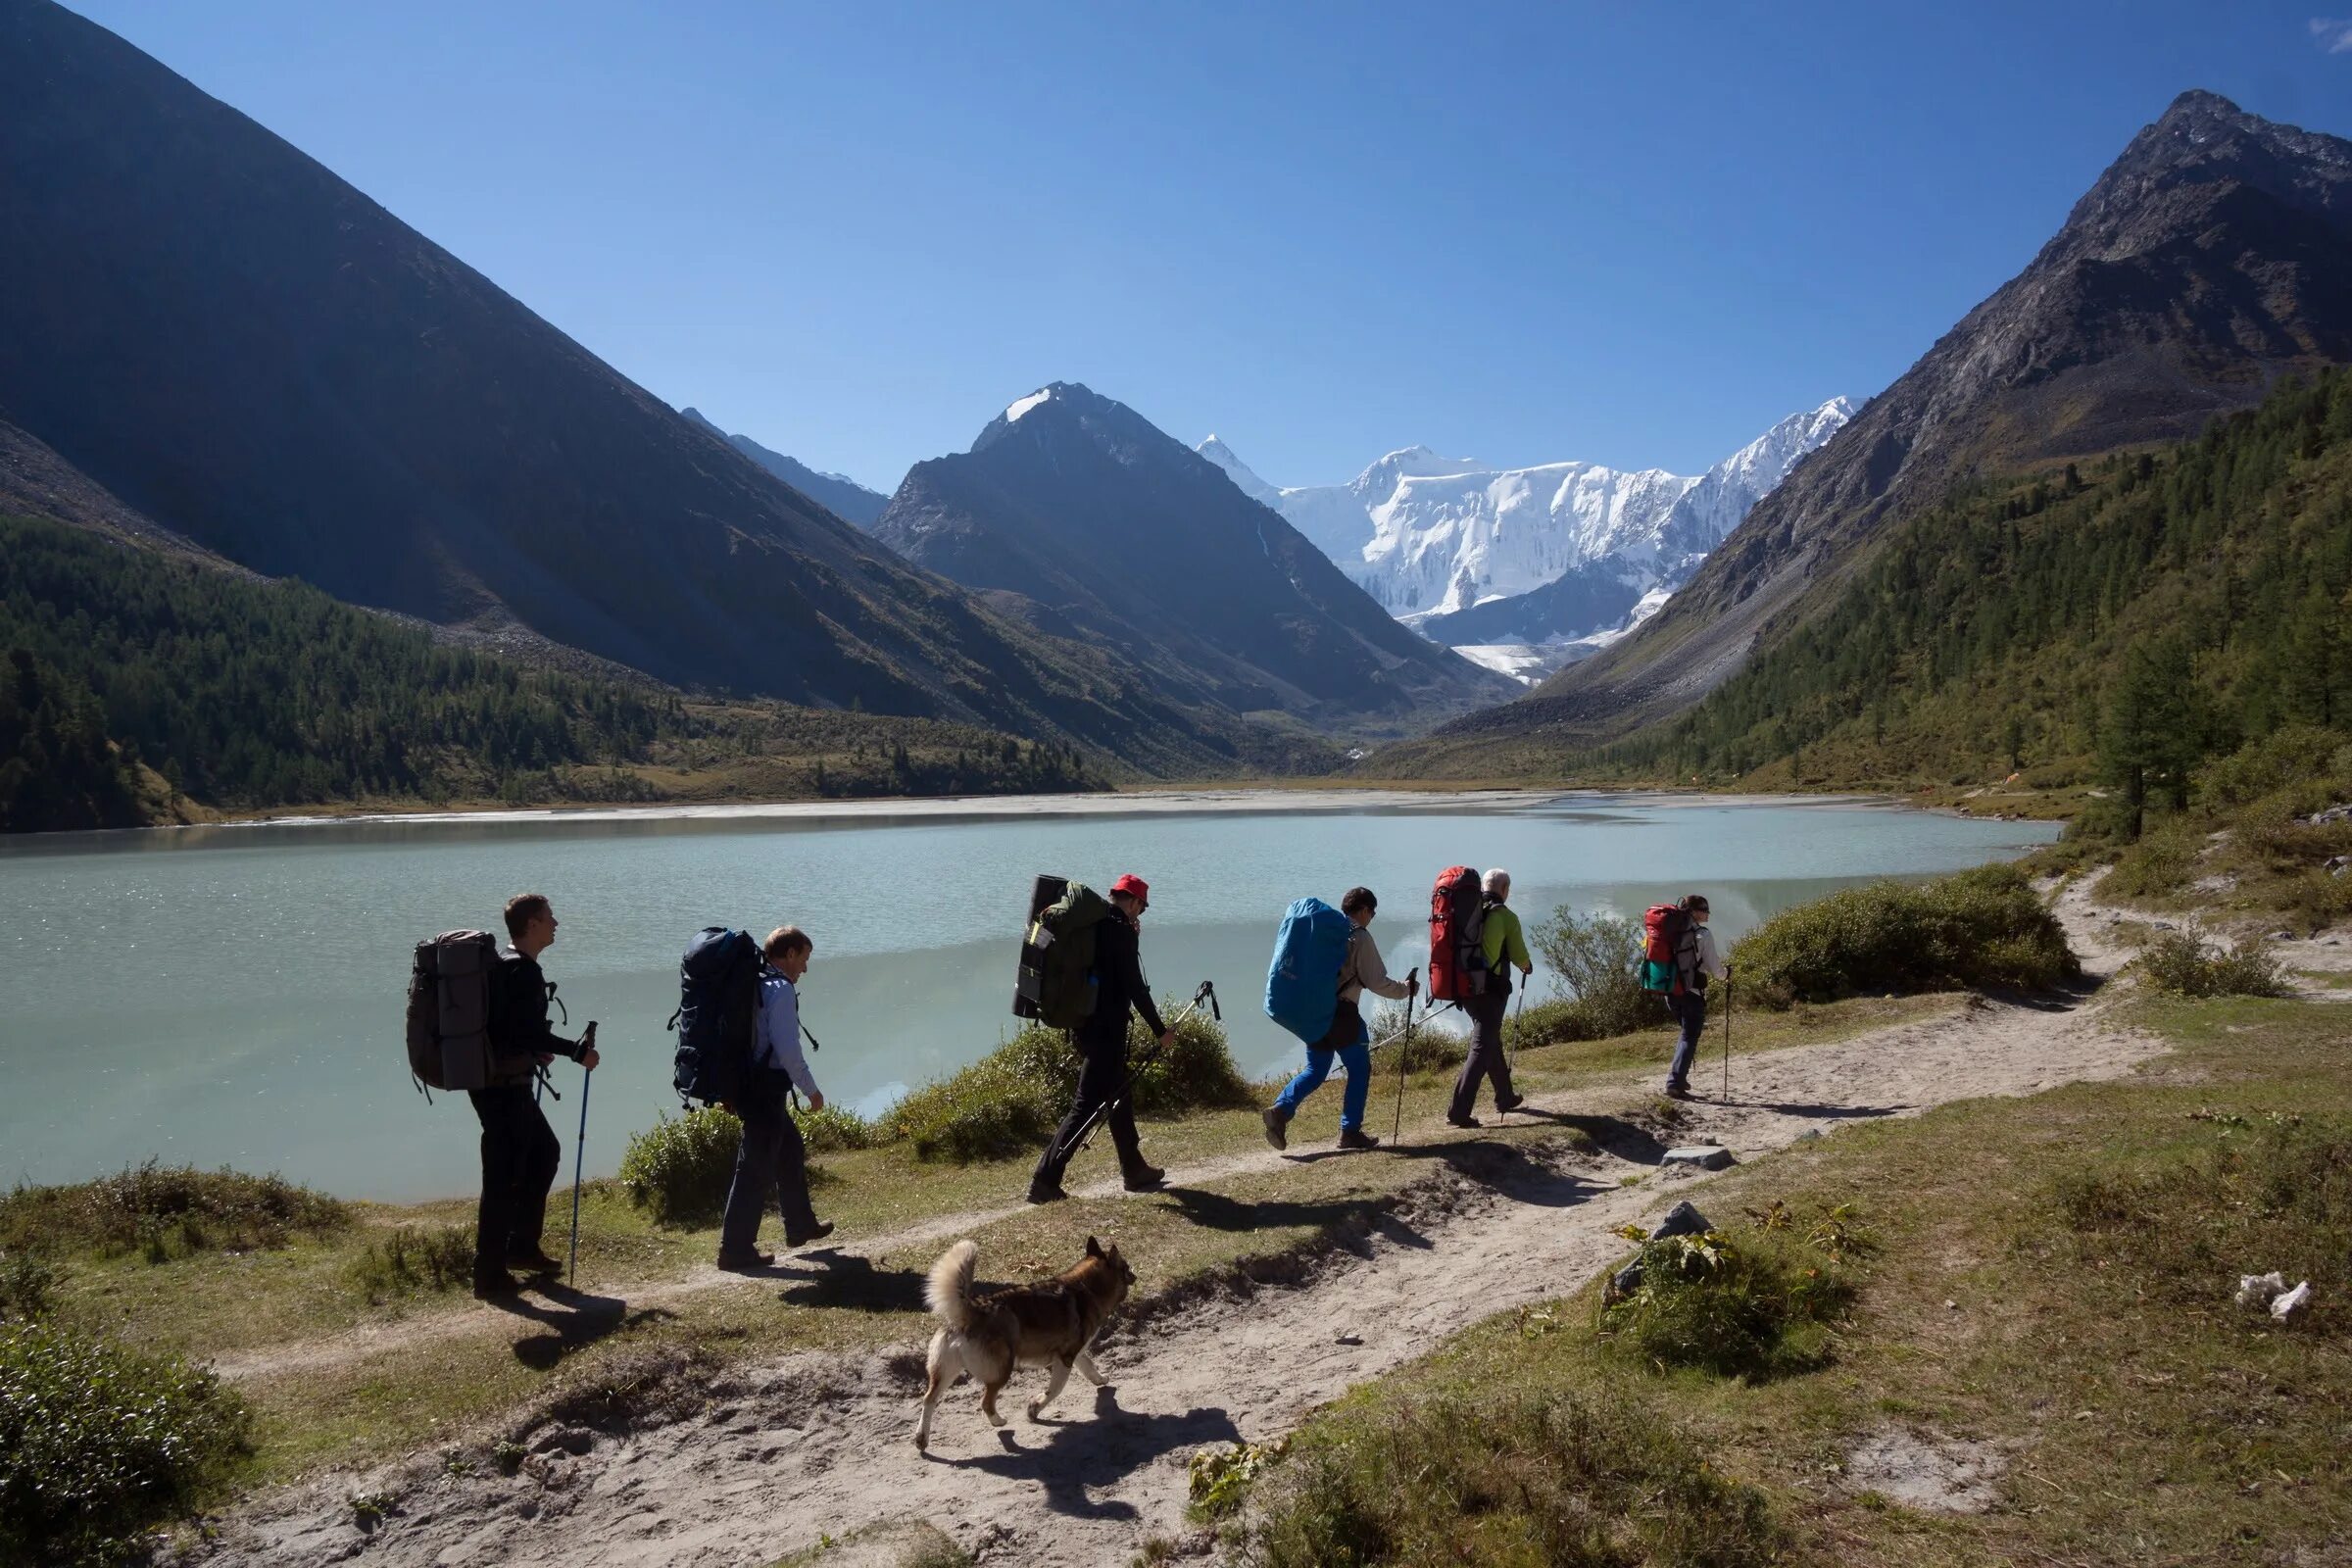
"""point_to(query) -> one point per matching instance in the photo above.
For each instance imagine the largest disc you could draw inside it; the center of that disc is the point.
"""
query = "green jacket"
(1504, 940)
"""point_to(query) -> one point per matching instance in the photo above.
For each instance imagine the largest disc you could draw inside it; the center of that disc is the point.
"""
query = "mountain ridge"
(837, 493)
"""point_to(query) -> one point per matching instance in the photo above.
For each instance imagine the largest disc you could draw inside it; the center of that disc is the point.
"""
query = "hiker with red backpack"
(770, 1156)
(520, 1152)
(1346, 1039)
(1503, 946)
(1678, 955)
(1101, 1036)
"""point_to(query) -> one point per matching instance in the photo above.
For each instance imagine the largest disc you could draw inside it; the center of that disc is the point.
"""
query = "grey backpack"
(449, 1010)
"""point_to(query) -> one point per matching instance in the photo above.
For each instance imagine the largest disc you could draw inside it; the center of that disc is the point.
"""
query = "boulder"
(1699, 1156)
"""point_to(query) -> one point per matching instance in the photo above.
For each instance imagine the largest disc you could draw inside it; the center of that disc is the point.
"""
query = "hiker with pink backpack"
(1678, 955)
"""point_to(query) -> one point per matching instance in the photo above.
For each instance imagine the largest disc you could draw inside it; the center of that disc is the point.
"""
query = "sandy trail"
(821, 1445)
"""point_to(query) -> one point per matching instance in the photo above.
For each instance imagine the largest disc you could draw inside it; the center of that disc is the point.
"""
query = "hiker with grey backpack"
(1678, 955)
(477, 1021)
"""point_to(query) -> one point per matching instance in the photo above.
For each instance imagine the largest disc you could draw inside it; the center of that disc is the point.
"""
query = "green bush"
(2186, 964)
(2162, 863)
(1757, 1304)
(1497, 1477)
(835, 1129)
(27, 1282)
(1599, 958)
(1433, 1048)
(1010, 1101)
(2285, 758)
(1984, 927)
(98, 1444)
(1551, 1023)
(681, 1169)
(410, 1260)
(168, 1211)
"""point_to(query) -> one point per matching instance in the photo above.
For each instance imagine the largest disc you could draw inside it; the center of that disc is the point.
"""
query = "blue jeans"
(1347, 1024)
(1691, 1011)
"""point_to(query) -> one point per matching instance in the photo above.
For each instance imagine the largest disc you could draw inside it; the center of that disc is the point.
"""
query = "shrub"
(1598, 957)
(168, 1211)
(1551, 1024)
(1010, 1101)
(2188, 964)
(410, 1260)
(1433, 1048)
(2164, 862)
(2277, 760)
(835, 1128)
(681, 1169)
(27, 1280)
(1503, 1477)
(98, 1444)
(1757, 1304)
(1984, 927)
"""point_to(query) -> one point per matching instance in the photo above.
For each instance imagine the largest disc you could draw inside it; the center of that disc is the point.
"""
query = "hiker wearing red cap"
(1103, 1047)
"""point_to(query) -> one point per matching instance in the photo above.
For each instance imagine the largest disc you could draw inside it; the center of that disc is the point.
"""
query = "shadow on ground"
(1080, 1455)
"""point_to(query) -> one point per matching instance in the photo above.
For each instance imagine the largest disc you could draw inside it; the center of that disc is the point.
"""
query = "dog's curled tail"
(949, 1292)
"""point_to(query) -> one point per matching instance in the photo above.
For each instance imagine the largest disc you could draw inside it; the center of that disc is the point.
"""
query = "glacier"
(1531, 566)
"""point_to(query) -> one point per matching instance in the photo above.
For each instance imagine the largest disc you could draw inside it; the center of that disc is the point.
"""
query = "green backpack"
(1063, 940)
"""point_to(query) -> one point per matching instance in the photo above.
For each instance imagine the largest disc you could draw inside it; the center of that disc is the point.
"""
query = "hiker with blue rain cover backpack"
(520, 1152)
(770, 1157)
(1324, 961)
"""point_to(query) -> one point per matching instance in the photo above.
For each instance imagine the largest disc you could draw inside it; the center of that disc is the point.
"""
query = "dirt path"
(818, 1445)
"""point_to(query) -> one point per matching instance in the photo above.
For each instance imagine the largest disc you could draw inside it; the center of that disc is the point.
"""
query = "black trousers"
(771, 1159)
(1101, 1073)
(1486, 1060)
(520, 1155)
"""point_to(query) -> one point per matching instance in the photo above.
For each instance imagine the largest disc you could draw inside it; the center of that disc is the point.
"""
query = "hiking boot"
(822, 1229)
(1145, 1179)
(494, 1285)
(1679, 1091)
(1461, 1121)
(744, 1262)
(1045, 1192)
(533, 1262)
(1503, 1107)
(1277, 1120)
(1356, 1137)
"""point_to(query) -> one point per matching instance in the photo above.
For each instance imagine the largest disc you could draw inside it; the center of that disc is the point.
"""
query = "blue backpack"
(1303, 983)
(718, 1019)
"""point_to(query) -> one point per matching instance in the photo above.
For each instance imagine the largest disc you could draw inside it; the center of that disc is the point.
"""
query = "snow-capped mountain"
(1550, 553)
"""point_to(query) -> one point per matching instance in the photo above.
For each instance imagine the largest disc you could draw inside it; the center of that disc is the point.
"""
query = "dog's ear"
(1094, 1248)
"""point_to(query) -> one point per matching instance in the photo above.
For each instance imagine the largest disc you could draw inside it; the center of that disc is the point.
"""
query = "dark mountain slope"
(2212, 256)
(241, 347)
(1114, 531)
(843, 497)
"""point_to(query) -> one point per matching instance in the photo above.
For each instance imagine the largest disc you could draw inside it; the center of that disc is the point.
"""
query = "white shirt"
(780, 1034)
(1706, 956)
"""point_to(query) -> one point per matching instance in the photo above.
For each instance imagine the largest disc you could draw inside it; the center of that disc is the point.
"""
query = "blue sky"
(1632, 233)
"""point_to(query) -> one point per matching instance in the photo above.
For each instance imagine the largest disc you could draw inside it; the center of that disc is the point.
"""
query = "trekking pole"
(1727, 1039)
(1403, 1060)
(572, 1272)
(1086, 1131)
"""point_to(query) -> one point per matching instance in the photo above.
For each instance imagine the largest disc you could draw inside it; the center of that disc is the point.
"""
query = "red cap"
(1135, 887)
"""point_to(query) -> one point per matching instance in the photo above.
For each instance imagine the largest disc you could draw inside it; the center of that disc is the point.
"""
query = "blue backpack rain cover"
(1303, 983)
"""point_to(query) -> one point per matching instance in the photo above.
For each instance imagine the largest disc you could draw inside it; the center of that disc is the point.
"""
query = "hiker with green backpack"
(1678, 955)
(1109, 982)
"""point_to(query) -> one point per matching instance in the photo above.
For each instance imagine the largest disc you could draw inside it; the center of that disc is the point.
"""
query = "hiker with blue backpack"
(1324, 960)
(770, 1157)
(1678, 955)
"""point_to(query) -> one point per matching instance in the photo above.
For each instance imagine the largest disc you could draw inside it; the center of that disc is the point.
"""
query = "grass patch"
(2187, 964)
(2051, 1286)
(168, 1211)
(1986, 927)
(1510, 1477)
(415, 1261)
(1010, 1101)
(99, 1444)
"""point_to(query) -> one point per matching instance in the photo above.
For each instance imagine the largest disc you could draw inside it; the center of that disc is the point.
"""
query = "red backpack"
(1457, 928)
(1669, 949)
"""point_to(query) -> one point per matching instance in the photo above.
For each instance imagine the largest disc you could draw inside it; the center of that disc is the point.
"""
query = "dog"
(1051, 1324)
